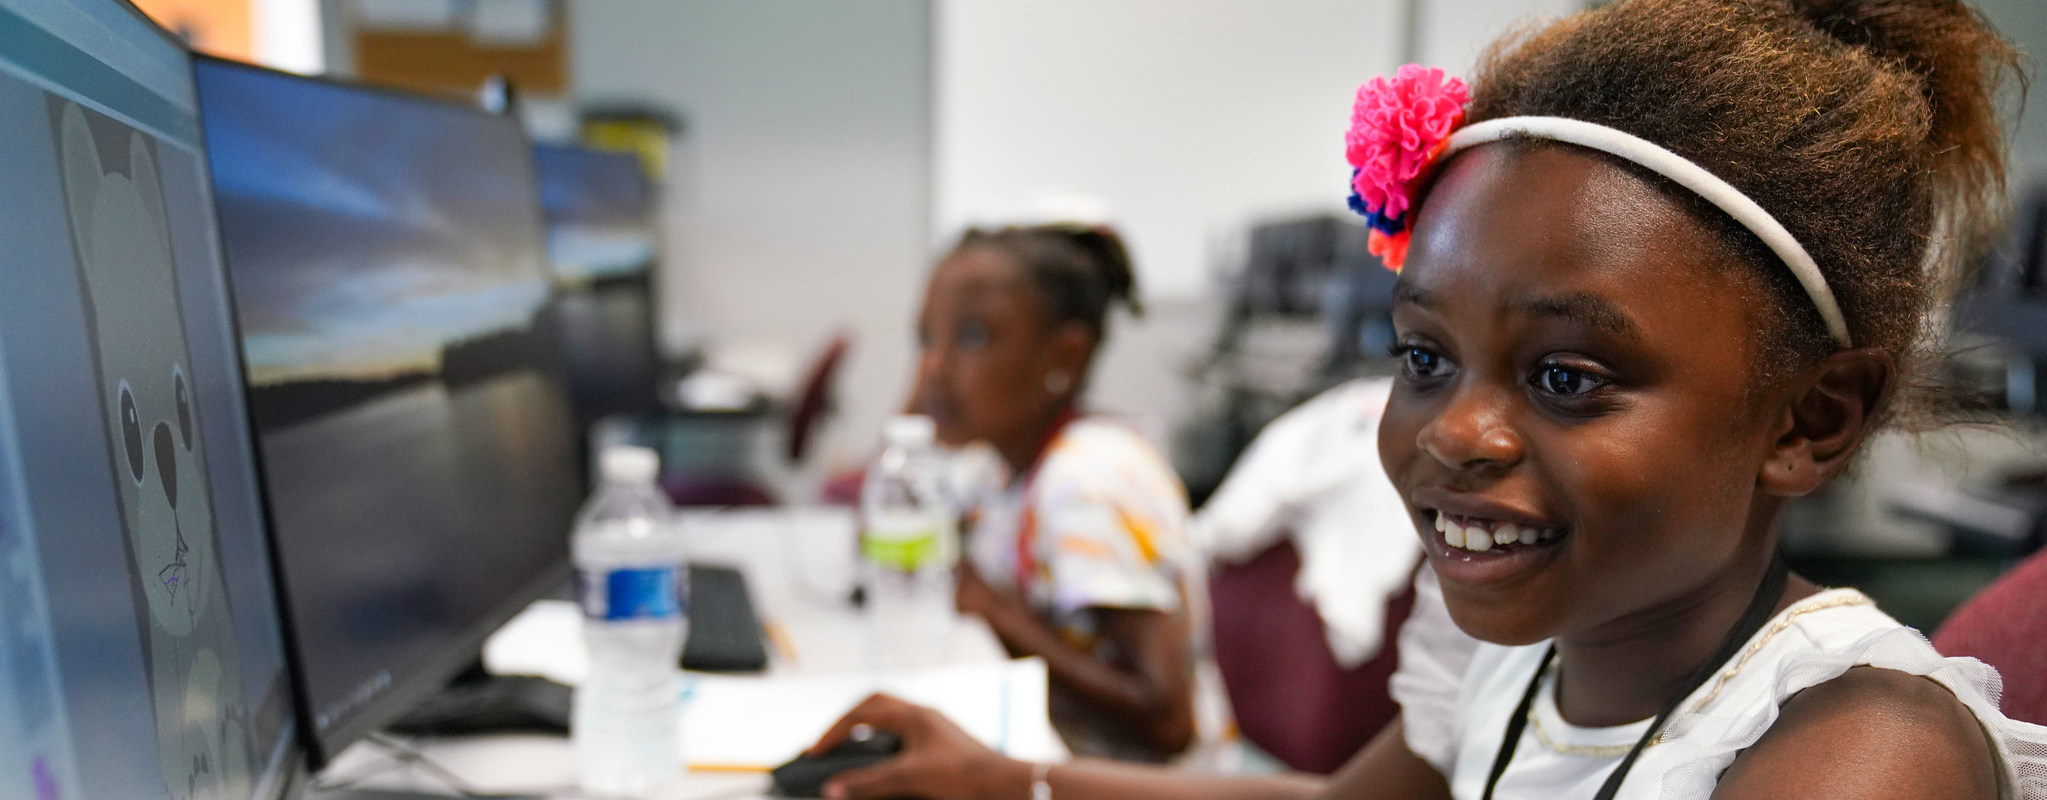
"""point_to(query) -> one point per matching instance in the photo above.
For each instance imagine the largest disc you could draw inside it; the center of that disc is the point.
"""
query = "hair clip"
(1398, 129)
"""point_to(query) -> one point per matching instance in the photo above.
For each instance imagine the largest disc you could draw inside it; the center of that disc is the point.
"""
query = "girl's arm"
(1150, 691)
(1871, 733)
(941, 762)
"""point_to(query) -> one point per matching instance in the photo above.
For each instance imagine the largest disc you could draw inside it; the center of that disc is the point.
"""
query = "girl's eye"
(1564, 381)
(973, 334)
(1421, 362)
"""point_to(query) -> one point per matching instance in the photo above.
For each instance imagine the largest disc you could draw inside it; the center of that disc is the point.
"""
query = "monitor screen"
(600, 208)
(140, 649)
(601, 240)
(386, 259)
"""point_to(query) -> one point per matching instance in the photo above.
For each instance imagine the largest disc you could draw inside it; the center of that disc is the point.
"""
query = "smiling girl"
(1666, 266)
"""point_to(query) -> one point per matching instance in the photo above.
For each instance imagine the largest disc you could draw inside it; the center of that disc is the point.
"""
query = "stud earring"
(1057, 381)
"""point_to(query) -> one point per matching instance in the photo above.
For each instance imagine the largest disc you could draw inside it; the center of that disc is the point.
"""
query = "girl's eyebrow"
(1588, 309)
(1408, 293)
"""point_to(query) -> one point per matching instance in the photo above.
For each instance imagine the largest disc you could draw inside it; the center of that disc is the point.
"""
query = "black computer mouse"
(805, 776)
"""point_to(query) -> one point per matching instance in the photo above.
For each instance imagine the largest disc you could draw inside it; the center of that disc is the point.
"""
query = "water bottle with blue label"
(629, 578)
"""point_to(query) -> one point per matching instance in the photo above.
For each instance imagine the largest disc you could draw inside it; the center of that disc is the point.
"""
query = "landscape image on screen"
(404, 371)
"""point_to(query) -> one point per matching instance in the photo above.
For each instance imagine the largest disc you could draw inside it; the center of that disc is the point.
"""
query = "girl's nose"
(1472, 432)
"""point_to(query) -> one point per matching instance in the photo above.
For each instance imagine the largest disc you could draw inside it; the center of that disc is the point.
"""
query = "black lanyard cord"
(1760, 610)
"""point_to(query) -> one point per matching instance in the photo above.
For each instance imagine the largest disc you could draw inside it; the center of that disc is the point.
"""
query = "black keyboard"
(724, 632)
(724, 636)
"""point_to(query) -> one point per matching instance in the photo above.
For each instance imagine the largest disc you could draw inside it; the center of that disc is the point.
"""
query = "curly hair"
(1080, 271)
(1869, 128)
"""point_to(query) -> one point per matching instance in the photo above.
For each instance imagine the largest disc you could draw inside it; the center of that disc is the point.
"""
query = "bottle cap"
(628, 464)
(909, 430)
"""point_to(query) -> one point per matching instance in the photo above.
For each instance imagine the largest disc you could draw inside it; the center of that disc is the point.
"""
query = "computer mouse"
(806, 776)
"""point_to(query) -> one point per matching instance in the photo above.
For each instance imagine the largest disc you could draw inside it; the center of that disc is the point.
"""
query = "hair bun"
(1112, 261)
(1960, 63)
(1080, 269)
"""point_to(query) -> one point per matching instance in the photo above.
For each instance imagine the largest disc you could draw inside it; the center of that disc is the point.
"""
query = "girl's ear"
(1823, 424)
(1069, 348)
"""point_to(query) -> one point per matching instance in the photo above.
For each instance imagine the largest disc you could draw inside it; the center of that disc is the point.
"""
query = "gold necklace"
(1586, 750)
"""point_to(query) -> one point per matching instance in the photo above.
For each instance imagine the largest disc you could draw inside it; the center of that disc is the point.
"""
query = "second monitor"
(601, 238)
(418, 449)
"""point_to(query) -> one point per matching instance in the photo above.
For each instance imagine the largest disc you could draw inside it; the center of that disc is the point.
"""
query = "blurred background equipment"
(1308, 309)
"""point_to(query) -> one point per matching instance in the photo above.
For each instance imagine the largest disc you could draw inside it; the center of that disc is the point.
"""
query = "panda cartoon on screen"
(122, 241)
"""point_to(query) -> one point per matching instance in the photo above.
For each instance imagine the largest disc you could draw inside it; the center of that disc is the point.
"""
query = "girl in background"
(1081, 558)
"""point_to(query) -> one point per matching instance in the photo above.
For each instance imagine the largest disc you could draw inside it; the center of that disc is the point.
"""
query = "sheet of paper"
(545, 640)
(413, 16)
(756, 722)
(510, 23)
(742, 722)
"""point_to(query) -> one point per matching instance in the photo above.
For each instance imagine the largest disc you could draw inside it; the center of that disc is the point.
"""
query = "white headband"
(1684, 173)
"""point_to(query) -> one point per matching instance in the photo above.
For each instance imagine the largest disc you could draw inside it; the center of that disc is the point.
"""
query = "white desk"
(800, 567)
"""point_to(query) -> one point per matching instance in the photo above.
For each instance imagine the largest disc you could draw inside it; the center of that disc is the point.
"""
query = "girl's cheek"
(1396, 442)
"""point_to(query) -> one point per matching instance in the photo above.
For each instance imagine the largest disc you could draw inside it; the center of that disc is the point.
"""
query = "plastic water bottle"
(629, 572)
(909, 543)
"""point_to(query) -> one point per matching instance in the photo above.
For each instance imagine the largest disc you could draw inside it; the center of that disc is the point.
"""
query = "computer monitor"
(140, 651)
(387, 265)
(601, 238)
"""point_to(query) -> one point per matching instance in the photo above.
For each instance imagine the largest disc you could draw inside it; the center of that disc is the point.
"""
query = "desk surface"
(800, 566)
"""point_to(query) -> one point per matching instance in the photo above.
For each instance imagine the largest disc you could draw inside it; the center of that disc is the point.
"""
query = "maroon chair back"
(2005, 626)
(816, 399)
(1290, 697)
(716, 491)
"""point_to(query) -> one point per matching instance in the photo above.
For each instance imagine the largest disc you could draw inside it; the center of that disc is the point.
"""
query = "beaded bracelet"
(1041, 783)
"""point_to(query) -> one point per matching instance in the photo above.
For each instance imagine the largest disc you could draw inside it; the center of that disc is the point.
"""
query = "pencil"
(780, 639)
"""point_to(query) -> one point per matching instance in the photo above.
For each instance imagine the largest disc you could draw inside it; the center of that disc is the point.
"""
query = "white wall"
(2024, 22)
(1187, 116)
(1190, 118)
(1452, 33)
(288, 35)
(798, 198)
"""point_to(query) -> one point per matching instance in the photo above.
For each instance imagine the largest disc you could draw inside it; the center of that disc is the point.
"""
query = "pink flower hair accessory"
(1398, 129)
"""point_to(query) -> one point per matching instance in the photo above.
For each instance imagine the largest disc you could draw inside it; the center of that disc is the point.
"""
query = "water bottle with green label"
(909, 543)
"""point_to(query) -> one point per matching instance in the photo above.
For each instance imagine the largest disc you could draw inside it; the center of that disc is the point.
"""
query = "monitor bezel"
(431, 672)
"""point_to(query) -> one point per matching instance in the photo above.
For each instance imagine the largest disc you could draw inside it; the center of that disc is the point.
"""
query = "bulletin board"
(454, 45)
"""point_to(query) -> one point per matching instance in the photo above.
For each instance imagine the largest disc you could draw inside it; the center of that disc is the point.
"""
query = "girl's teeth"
(1477, 539)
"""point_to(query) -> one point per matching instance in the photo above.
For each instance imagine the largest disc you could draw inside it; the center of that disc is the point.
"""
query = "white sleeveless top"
(1459, 692)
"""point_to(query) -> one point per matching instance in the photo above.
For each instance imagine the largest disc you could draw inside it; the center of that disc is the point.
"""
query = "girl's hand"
(938, 760)
(971, 593)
